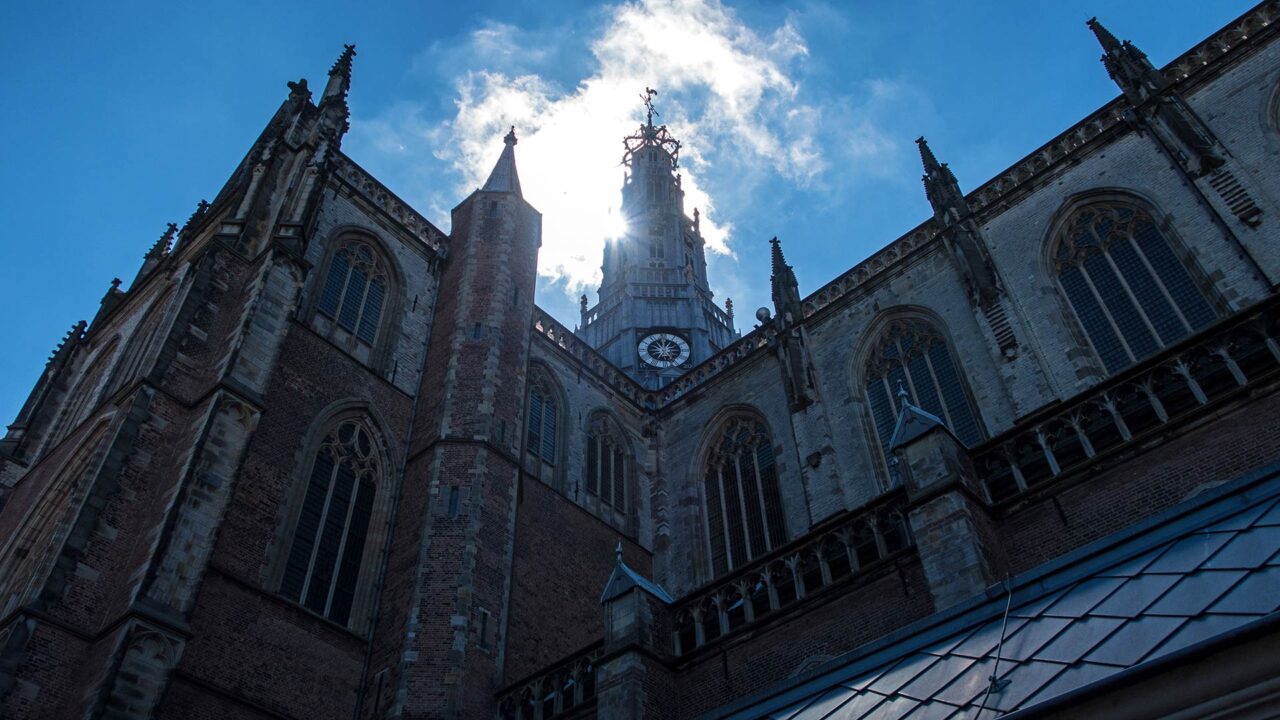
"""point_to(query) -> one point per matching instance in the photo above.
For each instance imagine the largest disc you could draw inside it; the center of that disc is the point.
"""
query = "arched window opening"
(84, 395)
(329, 538)
(606, 463)
(355, 290)
(743, 504)
(543, 422)
(1128, 289)
(141, 343)
(912, 354)
(29, 554)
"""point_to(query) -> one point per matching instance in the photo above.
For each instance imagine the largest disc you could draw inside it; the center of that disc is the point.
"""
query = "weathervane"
(650, 136)
(647, 98)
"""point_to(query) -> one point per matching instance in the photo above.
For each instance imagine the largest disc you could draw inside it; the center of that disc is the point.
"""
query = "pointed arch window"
(355, 290)
(606, 465)
(912, 354)
(84, 395)
(543, 423)
(329, 538)
(1126, 286)
(743, 503)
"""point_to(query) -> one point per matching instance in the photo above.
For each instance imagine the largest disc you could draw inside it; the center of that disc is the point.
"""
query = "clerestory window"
(1130, 292)
(911, 355)
(606, 463)
(744, 512)
(355, 290)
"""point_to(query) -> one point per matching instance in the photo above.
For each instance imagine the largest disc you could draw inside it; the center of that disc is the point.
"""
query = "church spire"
(504, 177)
(1127, 65)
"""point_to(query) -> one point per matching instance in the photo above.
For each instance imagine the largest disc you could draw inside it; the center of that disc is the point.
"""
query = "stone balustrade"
(844, 547)
(1205, 371)
(567, 686)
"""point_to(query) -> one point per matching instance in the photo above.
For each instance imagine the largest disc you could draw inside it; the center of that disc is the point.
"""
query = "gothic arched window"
(743, 503)
(329, 537)
(141, 342)
(1126, 286)
(355, 289)
(84, 395)
(913, 355)
(606, 470)
(543, 422)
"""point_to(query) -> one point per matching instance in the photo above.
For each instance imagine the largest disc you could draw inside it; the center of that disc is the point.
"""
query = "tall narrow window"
(1126, 286)
(542, 421)
(355, 290)
(606, 469)
(912, 354)
(84, 395)
(744, 506)
(329, 538)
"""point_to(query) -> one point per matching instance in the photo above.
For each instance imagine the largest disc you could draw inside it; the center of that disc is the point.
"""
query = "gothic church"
(322, 459)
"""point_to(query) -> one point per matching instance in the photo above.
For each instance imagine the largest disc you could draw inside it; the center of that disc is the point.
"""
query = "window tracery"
(355, 290)
(606, 463)
(1130, 292)
(912, 354)
(333, 525)
(543, 422)
(743, 503)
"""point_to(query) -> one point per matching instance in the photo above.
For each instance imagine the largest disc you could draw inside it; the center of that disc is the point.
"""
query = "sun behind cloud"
(721, 83)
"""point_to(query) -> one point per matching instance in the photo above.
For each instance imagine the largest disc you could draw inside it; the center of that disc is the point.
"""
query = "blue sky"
(798, 120)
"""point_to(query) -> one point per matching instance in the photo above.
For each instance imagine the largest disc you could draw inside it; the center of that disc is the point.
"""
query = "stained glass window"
(542, 422)
(1126, 286)
(913, 356)
(355, 290)
(743, 502)
(606, 467)
(329, 537)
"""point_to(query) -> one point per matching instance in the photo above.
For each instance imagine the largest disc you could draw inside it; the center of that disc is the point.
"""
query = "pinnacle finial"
(340, 76)
(926, 155)
(1108, 41)
(161, 247)
(343, 63)
(510, 138)
(618, 553)
(902, 394)
(778, 262)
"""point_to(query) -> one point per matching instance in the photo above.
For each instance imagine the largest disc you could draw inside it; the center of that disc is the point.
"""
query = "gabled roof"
(912, 423)
(623, 579)
(1187, 576)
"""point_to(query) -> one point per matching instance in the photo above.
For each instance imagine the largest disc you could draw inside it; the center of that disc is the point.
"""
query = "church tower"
(655, 317)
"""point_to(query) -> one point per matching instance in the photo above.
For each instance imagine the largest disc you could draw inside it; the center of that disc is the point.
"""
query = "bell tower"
(656, 316)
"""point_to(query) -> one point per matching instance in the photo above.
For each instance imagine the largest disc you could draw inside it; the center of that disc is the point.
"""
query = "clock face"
(664, 350)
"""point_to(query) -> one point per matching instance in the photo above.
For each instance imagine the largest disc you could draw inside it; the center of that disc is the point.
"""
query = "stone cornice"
(383, 198)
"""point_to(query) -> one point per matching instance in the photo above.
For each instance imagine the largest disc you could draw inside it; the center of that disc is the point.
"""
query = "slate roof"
(1198, 572)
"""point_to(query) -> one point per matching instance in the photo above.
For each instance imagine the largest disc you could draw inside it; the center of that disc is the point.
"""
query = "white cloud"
(730, 93)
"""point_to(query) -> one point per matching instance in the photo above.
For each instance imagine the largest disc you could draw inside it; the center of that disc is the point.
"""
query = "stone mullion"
(1133, 298)
(1106, 312)
(1160, 284)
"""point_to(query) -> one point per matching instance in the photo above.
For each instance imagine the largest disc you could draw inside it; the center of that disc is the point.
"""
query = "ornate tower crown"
(650, 136)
